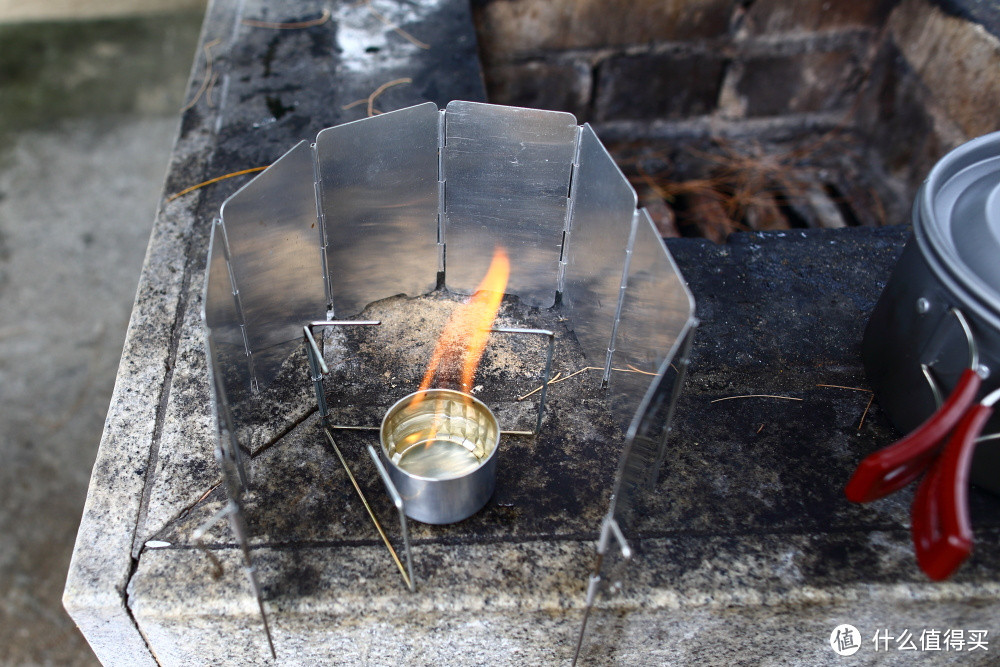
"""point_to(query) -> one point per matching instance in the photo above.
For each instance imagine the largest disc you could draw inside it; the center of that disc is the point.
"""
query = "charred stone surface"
(783, 314)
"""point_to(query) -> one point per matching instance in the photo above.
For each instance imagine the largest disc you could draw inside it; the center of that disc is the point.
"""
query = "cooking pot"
(935, 332)
(916, 346)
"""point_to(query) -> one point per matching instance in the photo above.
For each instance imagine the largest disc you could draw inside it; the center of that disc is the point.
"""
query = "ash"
(555, 484)
(373, 367)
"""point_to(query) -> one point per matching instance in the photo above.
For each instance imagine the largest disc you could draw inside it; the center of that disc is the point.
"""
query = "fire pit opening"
(762, 115)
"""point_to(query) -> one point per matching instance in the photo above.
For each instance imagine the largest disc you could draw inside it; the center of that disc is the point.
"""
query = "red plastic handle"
(892, 468)
(942, 533)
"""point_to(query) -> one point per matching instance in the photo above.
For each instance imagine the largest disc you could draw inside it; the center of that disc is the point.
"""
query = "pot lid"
(962, 198)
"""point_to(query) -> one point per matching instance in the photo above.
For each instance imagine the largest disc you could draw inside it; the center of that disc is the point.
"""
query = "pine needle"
(298, 25)
(370, 100)
(784, 398)
(207, 78)
(215, 180)
(837, 386)
(633, 369)
(867, 407)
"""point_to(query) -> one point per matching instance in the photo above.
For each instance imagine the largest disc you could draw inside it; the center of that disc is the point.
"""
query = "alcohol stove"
(416, 200)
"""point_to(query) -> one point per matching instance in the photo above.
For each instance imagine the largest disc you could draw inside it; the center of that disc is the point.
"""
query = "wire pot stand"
(318, 370)
(641, 459)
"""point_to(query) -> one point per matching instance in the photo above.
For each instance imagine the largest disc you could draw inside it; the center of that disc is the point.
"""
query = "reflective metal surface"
(507, 176)
(223, 318)
(596, 245)
(656, 309)
(958, 222)
(379, 199)
(273, 238)
(440, 449)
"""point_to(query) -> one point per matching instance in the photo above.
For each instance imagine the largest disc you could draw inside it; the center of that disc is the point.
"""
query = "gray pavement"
(88, 114)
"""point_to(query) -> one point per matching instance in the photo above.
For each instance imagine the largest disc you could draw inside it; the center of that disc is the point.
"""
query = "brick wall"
(915, 78)
(942, 87)
(646, 59)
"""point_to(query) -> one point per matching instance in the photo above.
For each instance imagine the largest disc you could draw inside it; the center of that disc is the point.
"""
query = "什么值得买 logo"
(845, 639)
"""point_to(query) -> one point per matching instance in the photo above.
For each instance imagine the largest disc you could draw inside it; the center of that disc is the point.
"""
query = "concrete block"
(955, 59)
(670, 85)
(734, 546)
(511, 28)
(558, 86)
(101, 563)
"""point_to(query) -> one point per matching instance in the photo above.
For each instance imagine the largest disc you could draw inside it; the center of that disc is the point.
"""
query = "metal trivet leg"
(545, 376)
(397, 500)
(318, 368)
(645, 450)
(235, 482)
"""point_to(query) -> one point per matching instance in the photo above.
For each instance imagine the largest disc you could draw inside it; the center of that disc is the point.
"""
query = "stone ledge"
(159, 373)
(748, 528)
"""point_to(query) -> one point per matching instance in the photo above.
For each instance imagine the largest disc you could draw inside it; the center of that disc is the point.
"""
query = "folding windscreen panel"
(507, 177)
(272, 245)
(598, 243)
(223, 319)
(378, 185)
(655, 321)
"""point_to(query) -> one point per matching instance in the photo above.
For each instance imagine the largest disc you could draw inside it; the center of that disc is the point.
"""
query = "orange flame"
(467, 332)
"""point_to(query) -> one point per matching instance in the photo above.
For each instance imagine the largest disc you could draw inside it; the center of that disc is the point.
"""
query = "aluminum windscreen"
(273, 243)
(507, 176)
(398, 191)
(597, 245)
(379, 194)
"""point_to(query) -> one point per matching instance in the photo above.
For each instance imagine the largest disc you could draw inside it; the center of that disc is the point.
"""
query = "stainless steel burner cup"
(440, 446)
